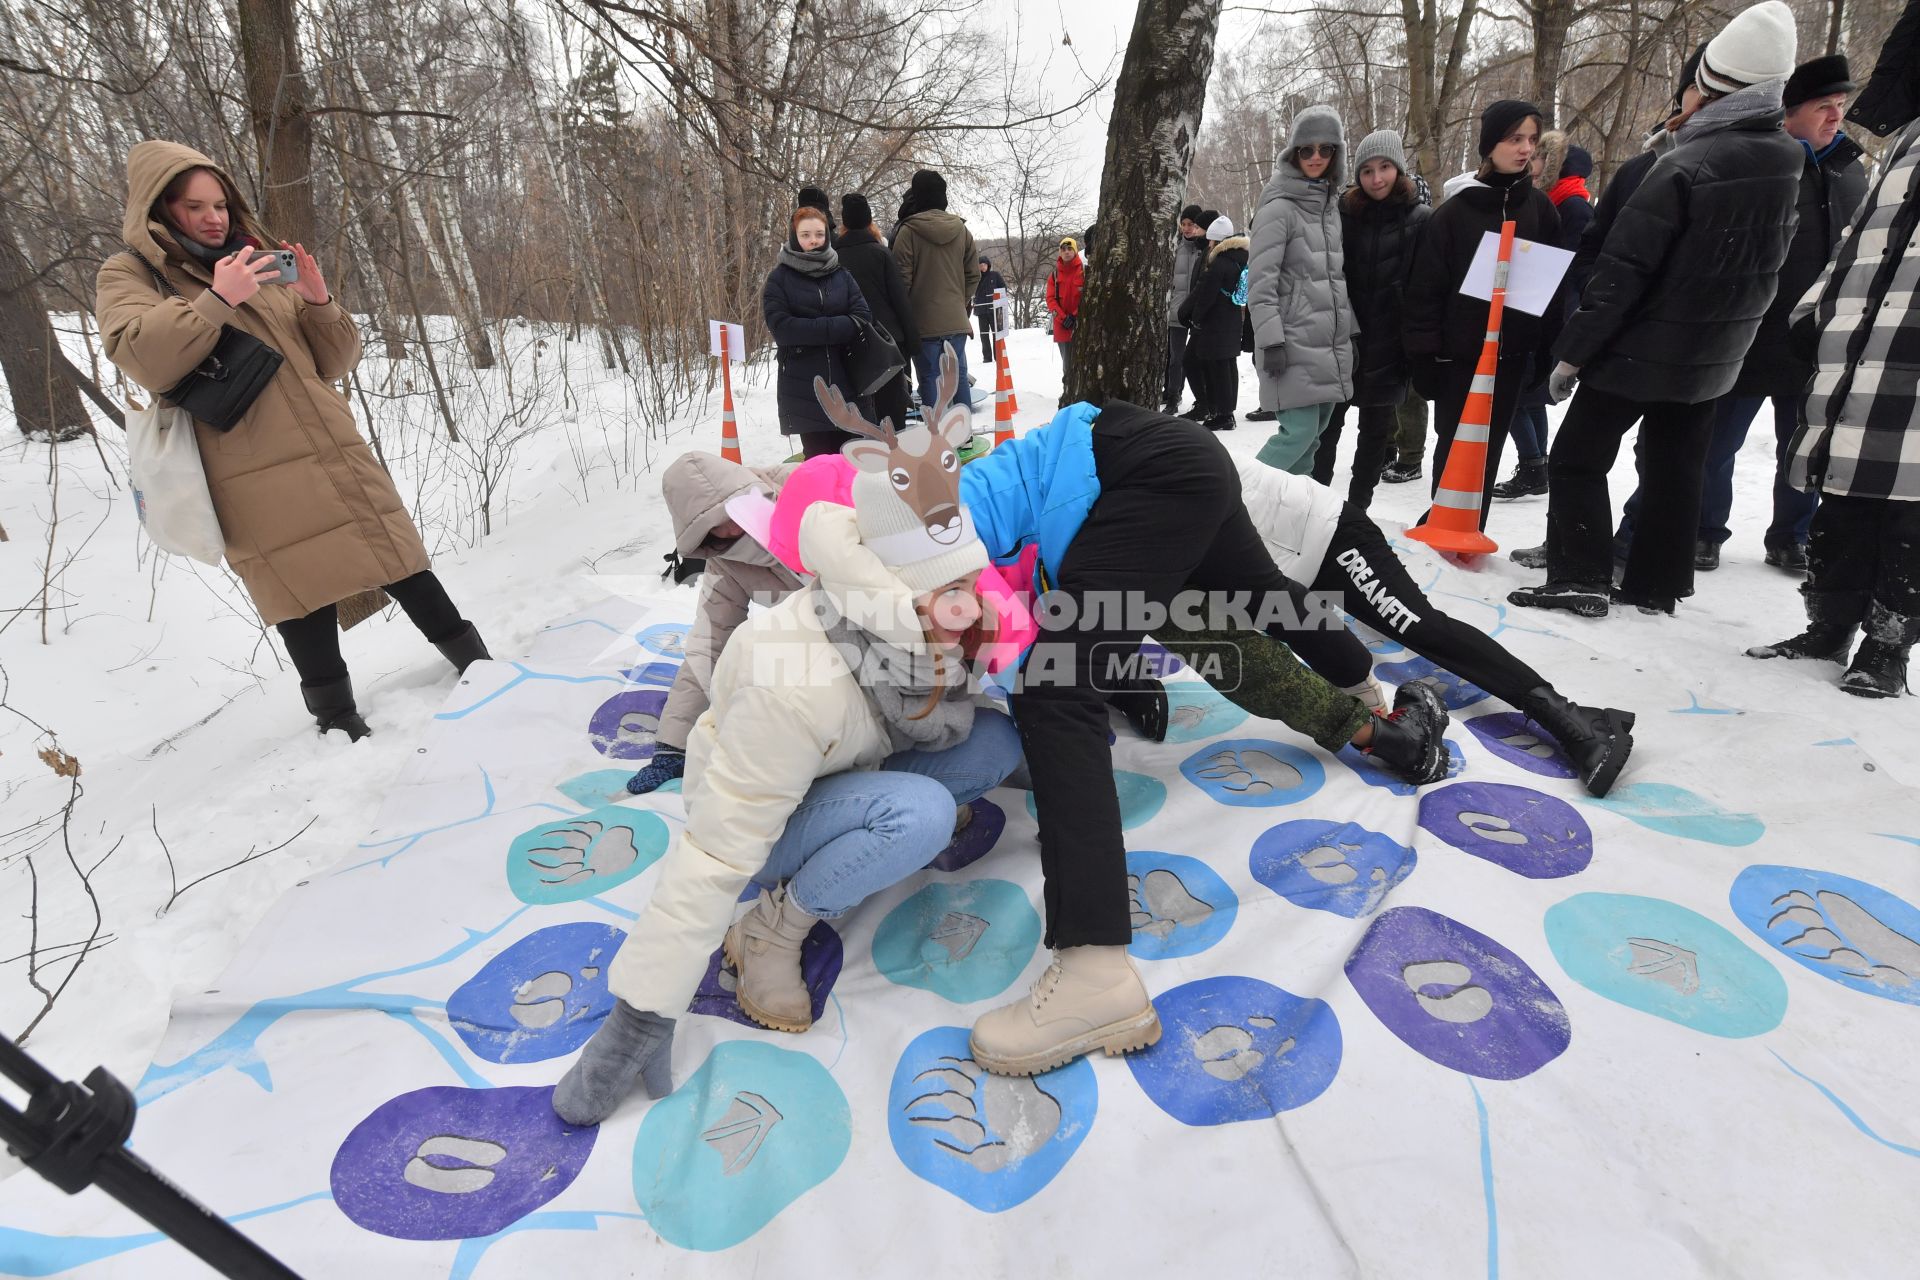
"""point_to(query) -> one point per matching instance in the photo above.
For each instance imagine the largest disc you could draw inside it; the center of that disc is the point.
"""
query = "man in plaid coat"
(1859, 439)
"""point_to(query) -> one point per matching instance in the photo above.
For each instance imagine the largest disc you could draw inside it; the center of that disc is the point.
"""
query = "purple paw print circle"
(623, 726)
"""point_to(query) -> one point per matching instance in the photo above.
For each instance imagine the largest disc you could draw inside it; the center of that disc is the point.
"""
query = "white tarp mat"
(1495, 1025)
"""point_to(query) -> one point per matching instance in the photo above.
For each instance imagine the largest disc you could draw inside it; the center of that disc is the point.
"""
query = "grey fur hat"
(1381, 144)
(1321, 124)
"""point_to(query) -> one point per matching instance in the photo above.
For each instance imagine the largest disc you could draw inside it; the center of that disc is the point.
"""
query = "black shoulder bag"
(873, 358)
(225, 385)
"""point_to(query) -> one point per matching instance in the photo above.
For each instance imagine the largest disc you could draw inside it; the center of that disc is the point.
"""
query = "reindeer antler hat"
(906, 497)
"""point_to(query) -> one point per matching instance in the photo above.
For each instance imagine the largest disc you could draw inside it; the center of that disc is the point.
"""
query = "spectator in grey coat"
(1297, 292)
(1188, 258)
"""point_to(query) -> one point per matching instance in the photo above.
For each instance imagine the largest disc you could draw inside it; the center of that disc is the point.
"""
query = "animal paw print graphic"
(1161, 903)
(1446, 990)
(1227, 1053)
(987, 1121)
(1836, 932)
(742, 1131)
(1250, 772)
(582, 849)
(454, 1166)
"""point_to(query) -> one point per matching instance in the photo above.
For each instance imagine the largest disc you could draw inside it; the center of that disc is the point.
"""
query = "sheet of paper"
(736, 336)
(1536, 272)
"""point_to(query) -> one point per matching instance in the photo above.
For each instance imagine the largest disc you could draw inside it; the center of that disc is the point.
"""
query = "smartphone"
(289, 267)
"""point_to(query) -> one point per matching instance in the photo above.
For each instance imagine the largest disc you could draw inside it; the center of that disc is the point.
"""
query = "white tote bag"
(169, 484)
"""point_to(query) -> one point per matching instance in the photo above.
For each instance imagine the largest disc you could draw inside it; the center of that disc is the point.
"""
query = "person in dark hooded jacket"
(1381, 220)
(873, 269)
(991, 282)
(1682, 283)
(809, 304)
(1212, 314)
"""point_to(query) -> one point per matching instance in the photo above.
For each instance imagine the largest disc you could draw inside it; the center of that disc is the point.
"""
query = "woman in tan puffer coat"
(309, 516)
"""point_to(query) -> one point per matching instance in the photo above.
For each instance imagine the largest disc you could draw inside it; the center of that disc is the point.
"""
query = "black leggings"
(1358, 558)
(313, 642)
(1169, 517)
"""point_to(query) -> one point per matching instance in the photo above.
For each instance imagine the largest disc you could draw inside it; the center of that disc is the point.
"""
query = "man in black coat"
(872, 267)
(1685, 275)
(991, 281)
(1833, 182)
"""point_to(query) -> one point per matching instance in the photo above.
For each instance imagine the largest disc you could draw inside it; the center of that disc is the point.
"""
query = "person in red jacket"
(1064, 282)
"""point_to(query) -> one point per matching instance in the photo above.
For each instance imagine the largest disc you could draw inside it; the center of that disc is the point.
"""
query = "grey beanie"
(1381, 144)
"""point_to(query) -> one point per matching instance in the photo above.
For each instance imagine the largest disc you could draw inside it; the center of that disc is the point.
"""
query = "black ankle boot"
(1879, 669)
(1832, 617)
(1597, 739)
(1412, 740)
(331, 703)
(1144, 703)
(463, 648)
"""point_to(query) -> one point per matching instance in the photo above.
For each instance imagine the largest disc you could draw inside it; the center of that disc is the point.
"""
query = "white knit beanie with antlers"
(899, 536)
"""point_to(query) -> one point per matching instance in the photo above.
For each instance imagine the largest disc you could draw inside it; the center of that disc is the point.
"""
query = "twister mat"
(1494, 1026)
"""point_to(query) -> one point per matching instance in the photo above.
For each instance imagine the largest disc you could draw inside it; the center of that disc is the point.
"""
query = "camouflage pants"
(1273, 684)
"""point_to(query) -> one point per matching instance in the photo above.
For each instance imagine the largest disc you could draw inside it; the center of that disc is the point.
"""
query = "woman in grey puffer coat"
(1297, 291)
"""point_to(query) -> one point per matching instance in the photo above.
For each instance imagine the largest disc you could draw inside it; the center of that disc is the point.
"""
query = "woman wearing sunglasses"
(1297, 292)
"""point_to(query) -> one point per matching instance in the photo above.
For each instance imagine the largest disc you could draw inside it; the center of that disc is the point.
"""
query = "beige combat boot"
(1089, 998)
(763, 946)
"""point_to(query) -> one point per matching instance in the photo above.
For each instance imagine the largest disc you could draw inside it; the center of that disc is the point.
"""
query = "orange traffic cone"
(1000, 352)
(1002, 394)
(1453, 523)
(729, 432)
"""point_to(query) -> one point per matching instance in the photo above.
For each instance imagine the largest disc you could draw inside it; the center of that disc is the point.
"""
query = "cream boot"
(763, 946)
(1089, 998)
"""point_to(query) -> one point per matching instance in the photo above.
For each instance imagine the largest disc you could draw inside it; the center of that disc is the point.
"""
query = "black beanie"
(1689, 72)
(855, 213)
(1498, 120)
(1207, 217)
(1819, 78)
(1578, 164)
(1192, 214)
(928, 190)
(815, 198)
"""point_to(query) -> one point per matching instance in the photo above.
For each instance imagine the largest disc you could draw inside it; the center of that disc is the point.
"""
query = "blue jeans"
(928, 364)
(1792, 509)
(1530, 432)
(855, 833)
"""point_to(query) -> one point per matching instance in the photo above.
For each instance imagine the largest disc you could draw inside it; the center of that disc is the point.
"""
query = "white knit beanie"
(1220, 228)
(898, 535)
(1760, 44)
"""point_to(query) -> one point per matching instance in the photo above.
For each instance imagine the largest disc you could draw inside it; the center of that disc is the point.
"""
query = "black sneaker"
(1263, 415)
(1643, 602)
(1195, 414)
(1222, 423)
(1580, 598)
(1792, 558)
(1706, 557)
(1398, 472)
(1530, 557)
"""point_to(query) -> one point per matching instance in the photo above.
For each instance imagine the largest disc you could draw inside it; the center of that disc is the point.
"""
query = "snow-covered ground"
(187, 723)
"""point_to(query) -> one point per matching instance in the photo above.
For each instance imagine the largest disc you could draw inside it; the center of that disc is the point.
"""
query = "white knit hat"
(1760, 44)
(1220, 228)
(926, 537)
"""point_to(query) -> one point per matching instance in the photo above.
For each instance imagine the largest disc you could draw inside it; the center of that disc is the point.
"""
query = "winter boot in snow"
(1089, 998)
(1879, 669)
(331, 703)
(1144, 703)
(463, 648)
(631, 1047)
(1597, 739)
(1580, 598)
(1529, 557)
(764, 949)
(1529, 480)
(1831, 619)
(1412, 740)
(1399, 472)
(1263, 415)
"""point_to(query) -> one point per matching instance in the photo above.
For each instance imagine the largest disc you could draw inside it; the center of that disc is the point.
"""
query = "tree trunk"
(39, 377)
(277, 106)
(1836, 21)
(1552, 19)
(1120, 342)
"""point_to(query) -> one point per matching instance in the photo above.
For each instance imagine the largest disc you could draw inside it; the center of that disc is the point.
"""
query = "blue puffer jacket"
(1036, 488)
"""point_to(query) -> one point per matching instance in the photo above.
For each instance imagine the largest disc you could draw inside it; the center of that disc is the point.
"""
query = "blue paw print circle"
(448, 1163)
(750, 1132)
(579, 857)
(623, 727)
(1846, 930)
(1234, 1049)
(1254, 773)
(1340, 867)
(1453, 690)
(1509, 735)
(1141, 796)
(966, 941)
(993, 1141)
(541, 998)
(1180, 905)
(667, 639)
